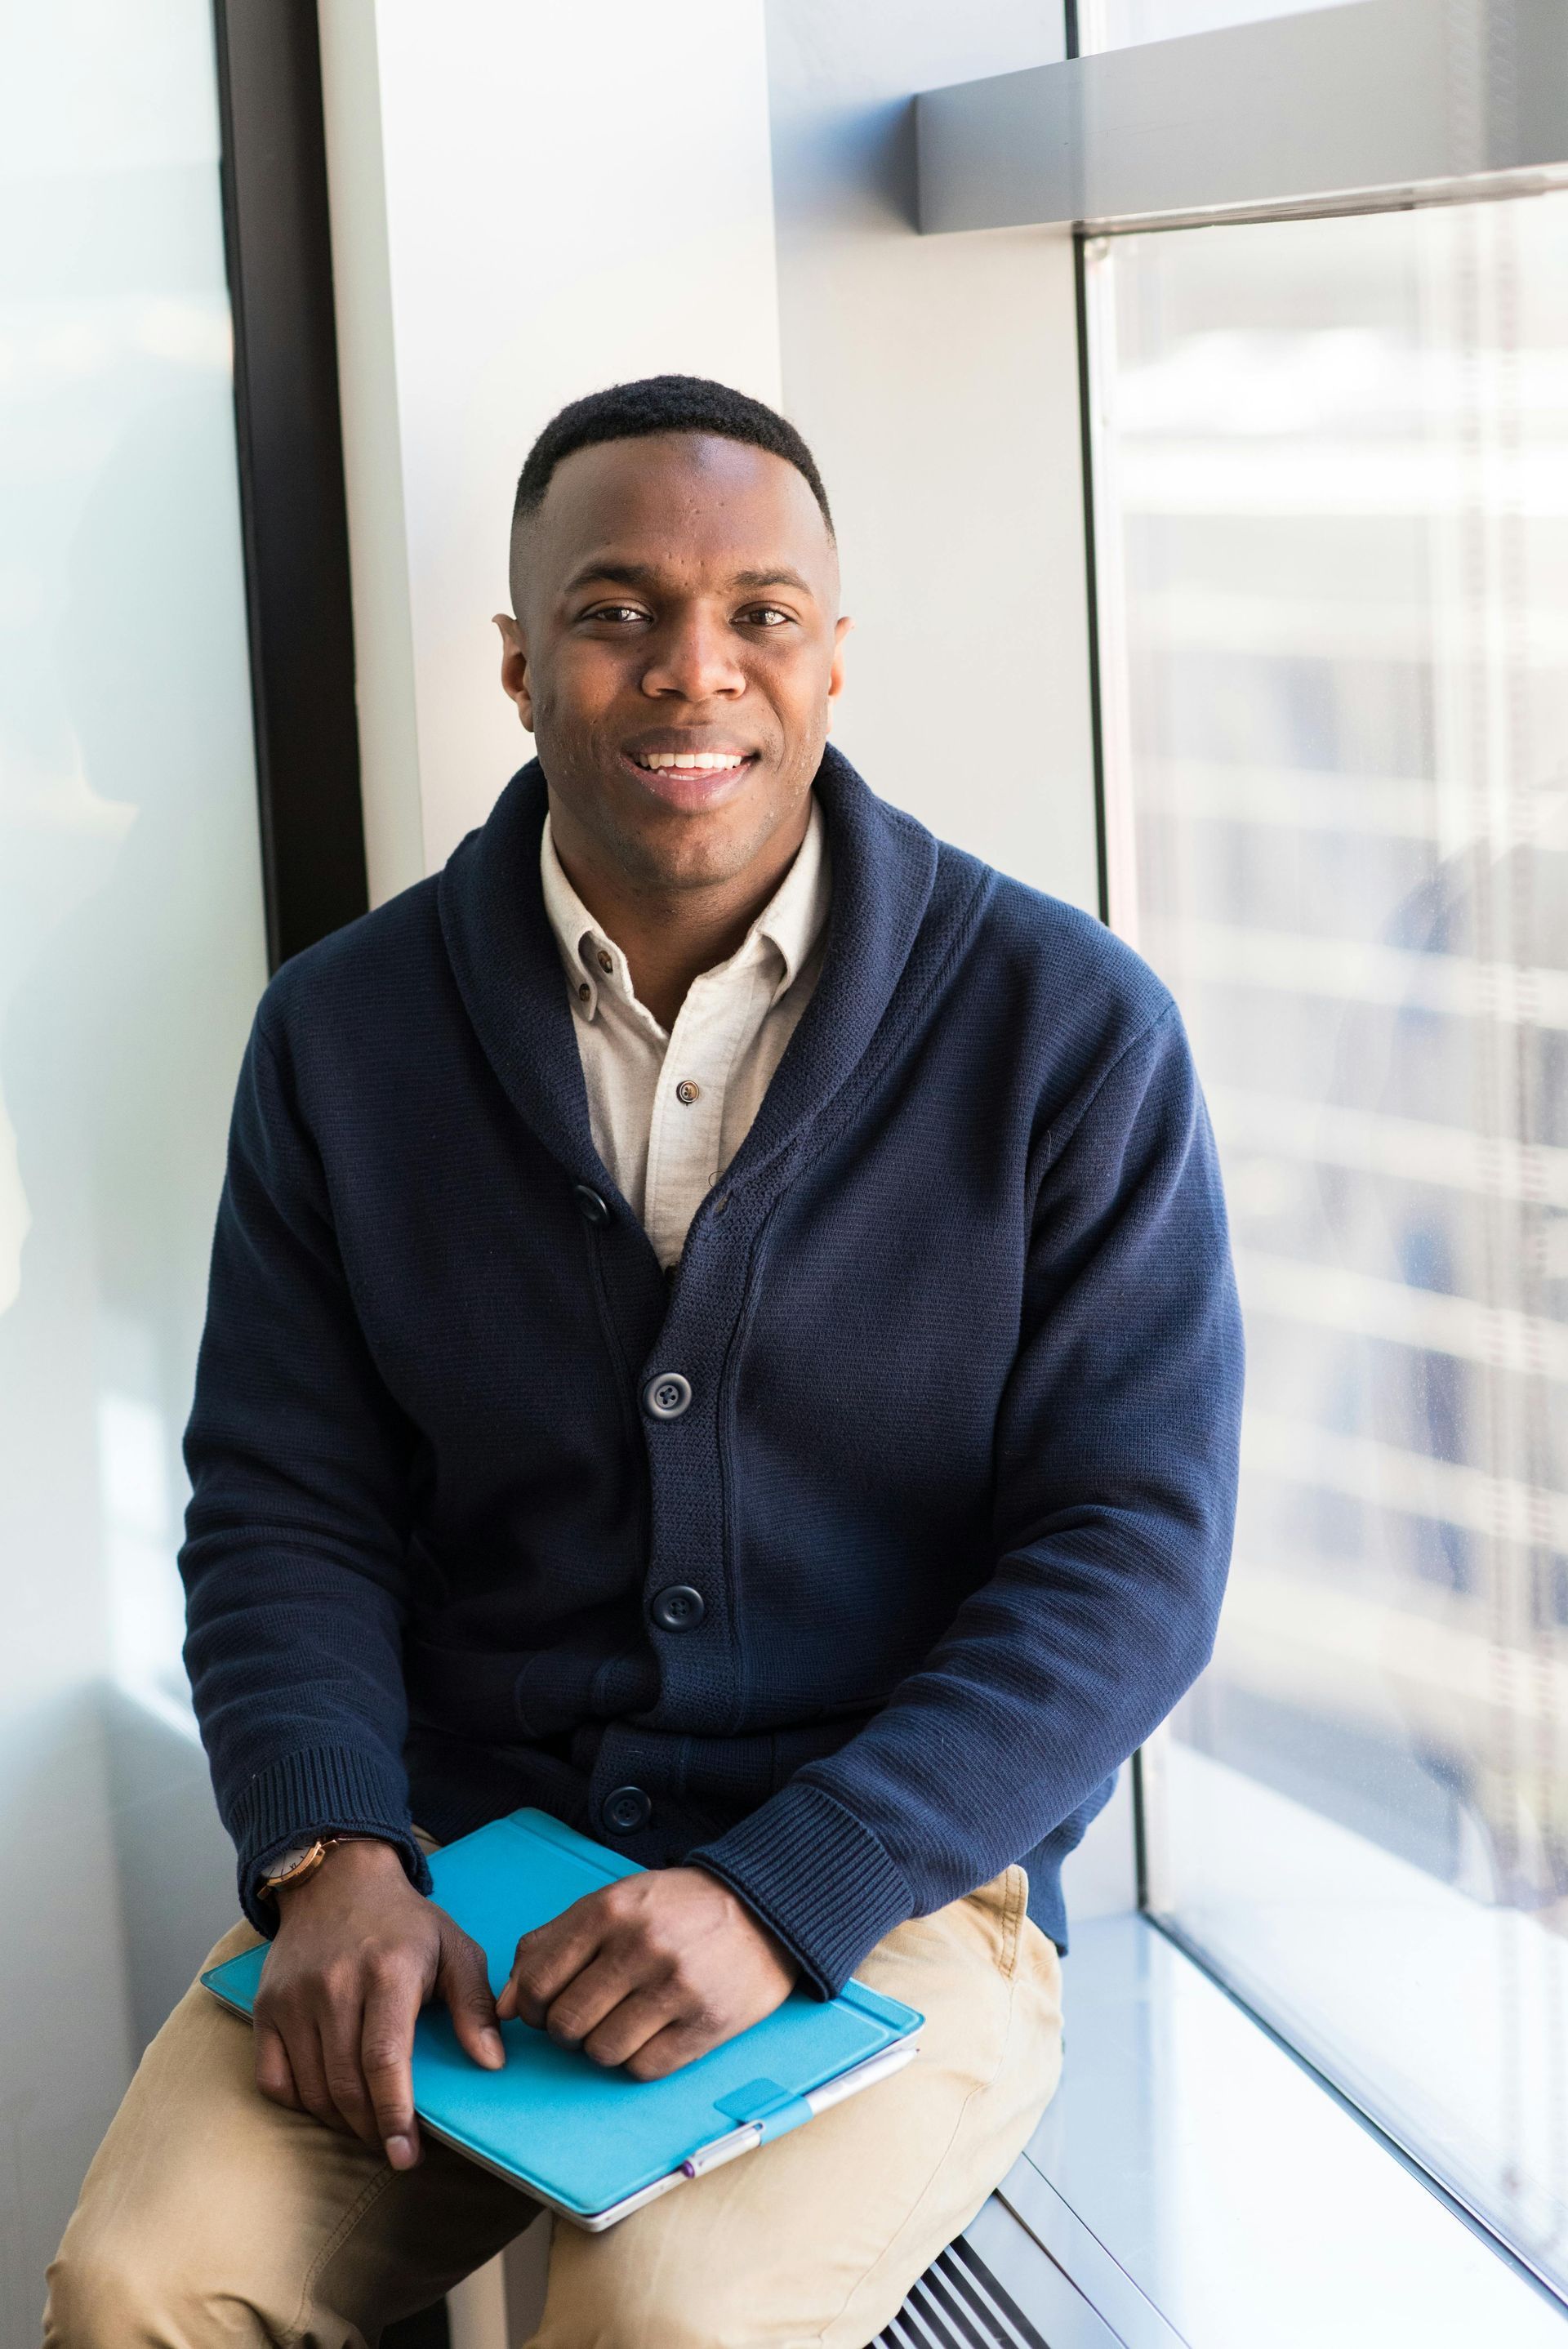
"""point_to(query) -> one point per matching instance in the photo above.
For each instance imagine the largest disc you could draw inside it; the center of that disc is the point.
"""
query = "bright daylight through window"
(1331, 465)
(1129, 24)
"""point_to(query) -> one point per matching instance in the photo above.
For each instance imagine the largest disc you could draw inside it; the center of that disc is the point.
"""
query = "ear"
(514, 668)
(836, 674)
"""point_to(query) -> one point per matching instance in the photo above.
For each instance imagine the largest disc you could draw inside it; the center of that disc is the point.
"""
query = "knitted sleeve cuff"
(815, 1877)
(326, 1790)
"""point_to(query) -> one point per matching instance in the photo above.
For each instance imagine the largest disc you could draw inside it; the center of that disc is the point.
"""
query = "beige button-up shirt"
(669, 1111)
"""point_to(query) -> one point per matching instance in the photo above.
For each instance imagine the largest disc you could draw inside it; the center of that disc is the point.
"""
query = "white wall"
(936, 378)
(529, 201)
(512, 227)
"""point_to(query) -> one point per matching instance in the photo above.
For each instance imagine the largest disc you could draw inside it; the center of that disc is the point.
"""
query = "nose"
(694, 659)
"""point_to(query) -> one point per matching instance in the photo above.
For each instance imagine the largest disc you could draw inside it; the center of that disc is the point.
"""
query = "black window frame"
(293, 504)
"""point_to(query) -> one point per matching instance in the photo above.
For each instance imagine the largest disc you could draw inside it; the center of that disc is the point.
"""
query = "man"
(721, 1326)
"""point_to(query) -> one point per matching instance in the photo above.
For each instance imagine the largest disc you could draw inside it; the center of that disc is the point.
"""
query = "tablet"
(591, 2142)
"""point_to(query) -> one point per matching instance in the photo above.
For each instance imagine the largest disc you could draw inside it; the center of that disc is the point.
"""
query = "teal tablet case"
(584, 2138)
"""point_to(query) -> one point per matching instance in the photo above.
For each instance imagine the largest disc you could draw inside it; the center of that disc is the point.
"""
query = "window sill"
(1193, 2186)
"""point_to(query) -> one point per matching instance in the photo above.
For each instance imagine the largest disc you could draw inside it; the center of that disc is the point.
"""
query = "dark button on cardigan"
(956, 1378)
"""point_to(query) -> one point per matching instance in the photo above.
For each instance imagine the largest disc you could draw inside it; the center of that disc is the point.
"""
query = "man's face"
(677, 600)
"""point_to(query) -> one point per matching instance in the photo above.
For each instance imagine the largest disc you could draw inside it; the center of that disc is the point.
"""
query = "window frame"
(293, 507)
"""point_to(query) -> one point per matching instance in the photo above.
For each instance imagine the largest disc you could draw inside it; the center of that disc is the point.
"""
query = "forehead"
(679, 501)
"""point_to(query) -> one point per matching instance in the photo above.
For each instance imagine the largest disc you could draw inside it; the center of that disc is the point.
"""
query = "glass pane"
(1126, 23)
(1332, 474)
(131, 958)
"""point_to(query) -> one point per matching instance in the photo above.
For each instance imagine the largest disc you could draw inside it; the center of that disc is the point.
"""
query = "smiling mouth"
(702, 762)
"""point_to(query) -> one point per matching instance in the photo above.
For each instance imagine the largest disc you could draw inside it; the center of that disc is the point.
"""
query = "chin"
(692, 848)
(701, 860)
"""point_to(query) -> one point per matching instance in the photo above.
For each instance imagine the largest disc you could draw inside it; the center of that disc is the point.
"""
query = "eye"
(617, 612)
(765, 616)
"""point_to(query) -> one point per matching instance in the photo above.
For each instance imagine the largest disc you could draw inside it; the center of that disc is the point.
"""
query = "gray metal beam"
(1373, 97)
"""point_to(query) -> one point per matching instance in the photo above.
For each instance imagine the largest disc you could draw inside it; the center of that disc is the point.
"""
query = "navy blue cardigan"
(954, 1488)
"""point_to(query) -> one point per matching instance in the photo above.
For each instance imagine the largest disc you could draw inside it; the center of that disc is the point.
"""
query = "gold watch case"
(306, 1865)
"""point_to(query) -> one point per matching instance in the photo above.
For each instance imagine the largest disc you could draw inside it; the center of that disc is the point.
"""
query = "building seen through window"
(1332, 472)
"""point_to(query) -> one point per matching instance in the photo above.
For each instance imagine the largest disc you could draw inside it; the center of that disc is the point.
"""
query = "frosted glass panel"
(1332, 472)
(1127, 23)
(130, 956)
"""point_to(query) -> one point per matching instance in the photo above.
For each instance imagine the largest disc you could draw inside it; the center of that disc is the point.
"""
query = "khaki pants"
(210, 2216)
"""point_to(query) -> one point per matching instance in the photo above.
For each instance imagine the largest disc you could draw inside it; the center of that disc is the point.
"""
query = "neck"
(670, 936)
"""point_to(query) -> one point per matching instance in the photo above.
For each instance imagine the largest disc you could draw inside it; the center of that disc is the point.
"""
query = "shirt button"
(590, 1206)
(679, 1608)
(666, 1395)
(686, 1091)
(605, 961)
(583, 992)
(626, 1810)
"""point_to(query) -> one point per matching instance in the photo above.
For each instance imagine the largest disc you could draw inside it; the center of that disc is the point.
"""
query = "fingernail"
(400, 2153)
(495, 2052)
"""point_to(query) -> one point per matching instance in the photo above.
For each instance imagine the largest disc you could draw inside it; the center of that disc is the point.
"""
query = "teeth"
(707, 760)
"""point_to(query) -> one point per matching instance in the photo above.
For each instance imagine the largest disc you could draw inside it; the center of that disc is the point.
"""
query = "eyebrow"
(779, 577)
(644, 574)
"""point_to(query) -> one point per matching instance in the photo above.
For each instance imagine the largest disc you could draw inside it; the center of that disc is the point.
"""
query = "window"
(131, 954)
(1331, 476)
(1128, 23)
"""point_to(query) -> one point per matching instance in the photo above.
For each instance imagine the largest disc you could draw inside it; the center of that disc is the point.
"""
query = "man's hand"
(650, 1973)
(359, 1951)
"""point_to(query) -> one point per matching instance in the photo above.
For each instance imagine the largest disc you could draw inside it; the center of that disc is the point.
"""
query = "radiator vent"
(959, 2304)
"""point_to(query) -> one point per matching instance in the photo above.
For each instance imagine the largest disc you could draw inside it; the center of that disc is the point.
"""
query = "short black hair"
(662, 403)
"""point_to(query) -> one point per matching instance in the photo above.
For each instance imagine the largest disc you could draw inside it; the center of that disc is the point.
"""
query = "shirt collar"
(900, 910)
(579, 936)
(791, 921)
(796, 914)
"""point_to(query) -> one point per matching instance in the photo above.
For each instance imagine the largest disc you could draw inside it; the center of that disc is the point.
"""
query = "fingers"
(650, 1973)
(392, 1998)
(628, 2027)
(318, 2042)
(464, 1982)
(550, 1956)
(339, 2018)
(357, 1952)
(344, 2072)
(678, 2042)
(342, 2053)
(601, 1989)
(303, 2041)
(274, 2073)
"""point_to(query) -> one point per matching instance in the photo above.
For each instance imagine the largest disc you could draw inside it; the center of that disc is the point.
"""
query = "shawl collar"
(508, 969)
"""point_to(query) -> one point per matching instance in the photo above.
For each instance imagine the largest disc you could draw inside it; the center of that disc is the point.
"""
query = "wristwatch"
(295, 1865)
